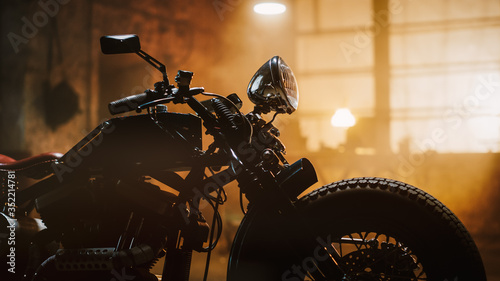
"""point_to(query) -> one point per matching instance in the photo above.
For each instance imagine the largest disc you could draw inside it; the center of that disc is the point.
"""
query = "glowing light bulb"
(343, 118)
(269, 8)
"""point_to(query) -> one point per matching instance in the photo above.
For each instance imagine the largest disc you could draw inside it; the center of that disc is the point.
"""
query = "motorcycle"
(104, 215)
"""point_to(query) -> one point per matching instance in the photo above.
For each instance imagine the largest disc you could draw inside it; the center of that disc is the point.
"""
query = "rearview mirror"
(120, 44)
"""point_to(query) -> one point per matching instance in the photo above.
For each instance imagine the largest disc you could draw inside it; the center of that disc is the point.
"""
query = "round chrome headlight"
(274, 87)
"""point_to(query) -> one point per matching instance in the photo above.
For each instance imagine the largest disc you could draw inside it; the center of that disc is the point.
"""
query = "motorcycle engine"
(117, 214)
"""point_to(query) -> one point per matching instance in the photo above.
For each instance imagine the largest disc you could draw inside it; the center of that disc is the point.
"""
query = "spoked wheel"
(382, 229)
(371, 256)
(375, 256)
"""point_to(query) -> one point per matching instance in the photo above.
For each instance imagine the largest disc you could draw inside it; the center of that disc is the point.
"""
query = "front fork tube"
(313, 249)
(177, 263)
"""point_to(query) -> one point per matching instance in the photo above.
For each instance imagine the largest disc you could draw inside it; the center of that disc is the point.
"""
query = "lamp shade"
(343, 118)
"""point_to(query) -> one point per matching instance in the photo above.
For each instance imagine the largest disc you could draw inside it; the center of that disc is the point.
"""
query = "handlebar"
(152, 98)
(130, 103)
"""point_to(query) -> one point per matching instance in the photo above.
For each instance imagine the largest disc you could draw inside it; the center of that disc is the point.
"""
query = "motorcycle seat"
(36, 166)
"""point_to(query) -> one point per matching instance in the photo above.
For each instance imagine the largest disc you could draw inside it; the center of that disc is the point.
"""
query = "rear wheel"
(382, 229)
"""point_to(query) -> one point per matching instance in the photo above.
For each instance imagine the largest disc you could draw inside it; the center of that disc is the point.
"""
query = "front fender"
(260, 249)
(257, 246)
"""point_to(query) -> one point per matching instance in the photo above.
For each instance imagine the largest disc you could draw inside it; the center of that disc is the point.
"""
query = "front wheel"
(382, 229)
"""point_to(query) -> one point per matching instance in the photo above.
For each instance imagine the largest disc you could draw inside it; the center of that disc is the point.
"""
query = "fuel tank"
(137, 143)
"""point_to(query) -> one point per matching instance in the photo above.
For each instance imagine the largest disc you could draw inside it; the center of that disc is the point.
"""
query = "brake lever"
(155, 102)
(176, 96)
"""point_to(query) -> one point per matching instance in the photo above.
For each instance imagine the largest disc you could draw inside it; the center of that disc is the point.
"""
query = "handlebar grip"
(129, 103)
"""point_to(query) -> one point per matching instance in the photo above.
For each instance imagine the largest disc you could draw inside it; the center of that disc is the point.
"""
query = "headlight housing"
(274, 87)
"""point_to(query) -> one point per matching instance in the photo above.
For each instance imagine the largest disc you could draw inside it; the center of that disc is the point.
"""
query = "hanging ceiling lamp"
(269, 8)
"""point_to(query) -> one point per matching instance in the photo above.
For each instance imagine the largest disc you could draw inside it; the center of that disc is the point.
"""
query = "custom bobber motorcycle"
(105, 213)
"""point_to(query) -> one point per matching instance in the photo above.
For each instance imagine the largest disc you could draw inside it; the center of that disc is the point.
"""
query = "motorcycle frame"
(278, 194)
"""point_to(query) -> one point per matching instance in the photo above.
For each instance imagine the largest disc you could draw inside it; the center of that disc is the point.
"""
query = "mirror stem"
(156, 64)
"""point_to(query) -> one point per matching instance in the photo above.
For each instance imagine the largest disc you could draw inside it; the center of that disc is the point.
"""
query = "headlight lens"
(274, 87)
(289, 85)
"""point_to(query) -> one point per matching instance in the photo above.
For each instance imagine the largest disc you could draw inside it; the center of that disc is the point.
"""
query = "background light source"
(269, 8)
(343, 118)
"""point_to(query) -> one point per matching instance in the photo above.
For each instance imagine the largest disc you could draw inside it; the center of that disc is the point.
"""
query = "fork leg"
(177, 261)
